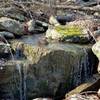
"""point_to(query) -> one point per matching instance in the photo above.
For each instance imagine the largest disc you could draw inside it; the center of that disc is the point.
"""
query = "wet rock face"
(55, 69)
(6, 76)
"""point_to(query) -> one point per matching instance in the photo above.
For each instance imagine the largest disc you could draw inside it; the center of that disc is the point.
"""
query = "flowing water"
(84, 72)
(22, 69)
(20, 79)
(12, 58)
(22, 75)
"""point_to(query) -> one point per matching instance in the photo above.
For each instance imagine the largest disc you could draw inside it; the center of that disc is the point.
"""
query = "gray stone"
(11, 25)
(7, 34)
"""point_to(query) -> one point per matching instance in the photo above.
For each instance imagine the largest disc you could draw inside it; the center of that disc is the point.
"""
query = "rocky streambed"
(45, 70)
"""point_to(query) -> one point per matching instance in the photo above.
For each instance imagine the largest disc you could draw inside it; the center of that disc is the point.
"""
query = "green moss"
(69, 30)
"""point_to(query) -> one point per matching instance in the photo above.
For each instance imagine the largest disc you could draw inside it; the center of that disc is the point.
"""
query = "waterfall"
(85, 62)
(20, 80)
(83, 67)
(83, 71)
(22, 69)
(25, 77)
(12, 57)
(8, 45)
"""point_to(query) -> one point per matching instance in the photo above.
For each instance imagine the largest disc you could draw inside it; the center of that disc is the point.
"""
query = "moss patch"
(69, 30)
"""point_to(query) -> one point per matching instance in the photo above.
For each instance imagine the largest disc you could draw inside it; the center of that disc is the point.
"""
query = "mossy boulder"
(75, 31)
(55, 69)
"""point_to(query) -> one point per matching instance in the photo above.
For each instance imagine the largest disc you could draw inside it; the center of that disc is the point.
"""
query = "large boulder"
(55, 69)
(11, 26)
(76, 31)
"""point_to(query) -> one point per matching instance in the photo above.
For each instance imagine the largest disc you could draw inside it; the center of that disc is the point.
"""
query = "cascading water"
(83, 73)
(7, 45)
(21, 71)
(87, 69)
(20, 79)
(25, 77)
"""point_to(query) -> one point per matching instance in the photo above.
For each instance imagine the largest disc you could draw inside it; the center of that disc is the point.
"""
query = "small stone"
(7, 34)
(99, 92)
